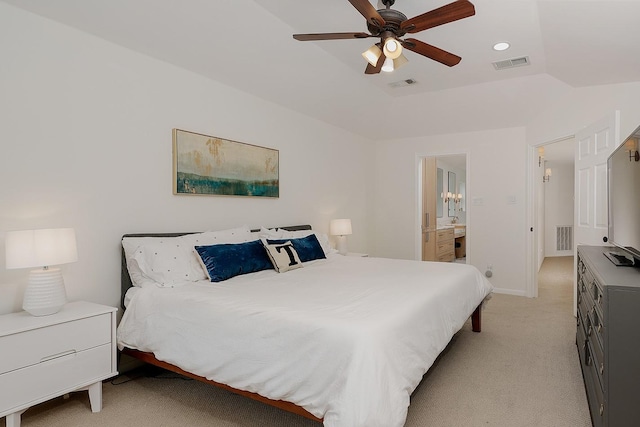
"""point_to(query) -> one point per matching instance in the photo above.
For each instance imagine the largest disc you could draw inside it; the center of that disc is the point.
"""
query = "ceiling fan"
(389, 25)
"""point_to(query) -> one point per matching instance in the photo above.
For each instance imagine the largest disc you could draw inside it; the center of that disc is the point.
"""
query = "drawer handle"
(601, 368)
(589, 331)
(601, 409)
(56, 356)
(599, 328)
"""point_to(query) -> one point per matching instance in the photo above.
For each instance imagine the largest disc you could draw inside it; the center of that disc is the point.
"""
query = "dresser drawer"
(54, 377)
(597, 327)
(445, 247)
(446, 256)
(596, 394)
(581, 341)
(34, 346)
(444, 233)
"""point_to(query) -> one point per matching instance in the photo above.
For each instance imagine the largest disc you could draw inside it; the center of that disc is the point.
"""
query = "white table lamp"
(340, 228)
(45, 293)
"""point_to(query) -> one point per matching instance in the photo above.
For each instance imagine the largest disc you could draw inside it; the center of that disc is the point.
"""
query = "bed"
(342, 340)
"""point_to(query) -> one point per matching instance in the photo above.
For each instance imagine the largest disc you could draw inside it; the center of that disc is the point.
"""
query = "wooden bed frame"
(150, 358)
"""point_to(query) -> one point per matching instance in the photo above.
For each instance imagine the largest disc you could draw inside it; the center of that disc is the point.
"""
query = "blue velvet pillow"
(308, 248)
(229, 260)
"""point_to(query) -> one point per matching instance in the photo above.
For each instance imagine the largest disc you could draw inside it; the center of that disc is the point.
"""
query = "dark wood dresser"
(608, 337)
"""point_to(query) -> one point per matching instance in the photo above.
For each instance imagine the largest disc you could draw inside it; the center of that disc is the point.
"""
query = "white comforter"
(346, 338)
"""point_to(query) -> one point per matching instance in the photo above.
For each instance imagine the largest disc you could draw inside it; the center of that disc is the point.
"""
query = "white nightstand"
(49, 356)
(356, 254)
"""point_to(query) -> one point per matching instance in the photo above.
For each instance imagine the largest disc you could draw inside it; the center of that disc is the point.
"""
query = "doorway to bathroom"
(443, 208)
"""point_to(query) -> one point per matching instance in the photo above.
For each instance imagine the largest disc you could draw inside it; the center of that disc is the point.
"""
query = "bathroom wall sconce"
(540, 156)
(547, 175)
(632, 146)
(451, 197)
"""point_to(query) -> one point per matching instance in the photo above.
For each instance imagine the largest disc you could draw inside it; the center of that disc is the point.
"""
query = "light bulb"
(392, 48)
(387, 67)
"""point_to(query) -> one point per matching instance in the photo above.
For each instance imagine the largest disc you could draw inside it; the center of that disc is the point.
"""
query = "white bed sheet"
(346, 338)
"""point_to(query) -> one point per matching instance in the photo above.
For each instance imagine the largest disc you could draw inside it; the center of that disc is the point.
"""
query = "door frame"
(532, 241)
(534, 172)
(418, 198)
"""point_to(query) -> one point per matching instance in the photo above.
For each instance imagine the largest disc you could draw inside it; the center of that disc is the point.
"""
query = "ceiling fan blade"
(451, 12)
(369, 12)
(437, 54)
(330, 36)
(375, 70)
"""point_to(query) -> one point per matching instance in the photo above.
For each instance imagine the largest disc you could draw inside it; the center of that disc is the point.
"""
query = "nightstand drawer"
(34, 346)
(54, 377)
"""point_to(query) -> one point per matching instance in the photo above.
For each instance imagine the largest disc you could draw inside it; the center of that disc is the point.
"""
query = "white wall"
(86, 143)
(496, 175)
(583, 107)
(558, 204)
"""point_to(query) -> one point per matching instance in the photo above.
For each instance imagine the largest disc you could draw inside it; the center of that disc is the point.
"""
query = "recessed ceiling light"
(501, 46)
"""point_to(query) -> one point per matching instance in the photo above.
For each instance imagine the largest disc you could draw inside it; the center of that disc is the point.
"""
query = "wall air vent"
(510, 63)
(401, 83)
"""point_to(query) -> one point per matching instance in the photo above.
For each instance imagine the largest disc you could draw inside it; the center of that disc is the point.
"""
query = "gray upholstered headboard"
(125, 278)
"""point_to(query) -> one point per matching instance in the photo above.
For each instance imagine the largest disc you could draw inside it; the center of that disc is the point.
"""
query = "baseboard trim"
(509, 292)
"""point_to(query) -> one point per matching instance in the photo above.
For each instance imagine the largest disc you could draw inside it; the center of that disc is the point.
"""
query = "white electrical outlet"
(489, 271)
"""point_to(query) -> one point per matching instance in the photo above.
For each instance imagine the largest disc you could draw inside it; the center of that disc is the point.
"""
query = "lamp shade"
(372, 55)
(40, 248)
(340, 227)
(45, 293)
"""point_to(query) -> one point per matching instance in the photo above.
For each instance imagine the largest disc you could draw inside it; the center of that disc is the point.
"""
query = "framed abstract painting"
(208, 165)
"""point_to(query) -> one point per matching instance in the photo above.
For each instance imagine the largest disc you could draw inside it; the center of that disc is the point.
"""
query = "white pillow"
(190, 261)
(232, 235)
(168, 262)
(283, 256)
(270, 233)
(130, 244)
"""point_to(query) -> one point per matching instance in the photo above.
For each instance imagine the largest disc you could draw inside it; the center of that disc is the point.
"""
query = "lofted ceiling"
(248, 44)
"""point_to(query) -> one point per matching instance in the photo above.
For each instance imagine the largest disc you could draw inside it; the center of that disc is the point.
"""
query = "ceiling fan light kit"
(390, 25)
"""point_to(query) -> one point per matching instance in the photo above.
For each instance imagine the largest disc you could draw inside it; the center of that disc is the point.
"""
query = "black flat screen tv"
(623, 185)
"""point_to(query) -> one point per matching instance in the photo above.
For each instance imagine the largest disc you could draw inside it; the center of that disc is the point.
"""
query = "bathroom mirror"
(439, 190)
(451, 188)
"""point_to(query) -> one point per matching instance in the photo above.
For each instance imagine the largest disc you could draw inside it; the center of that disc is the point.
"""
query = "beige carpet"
(522, 370)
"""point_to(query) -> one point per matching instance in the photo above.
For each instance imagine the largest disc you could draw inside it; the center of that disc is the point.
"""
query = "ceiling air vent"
(510, 63)
(401, 83)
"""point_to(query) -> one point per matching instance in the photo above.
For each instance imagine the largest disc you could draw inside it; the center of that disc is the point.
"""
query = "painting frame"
(206, 165)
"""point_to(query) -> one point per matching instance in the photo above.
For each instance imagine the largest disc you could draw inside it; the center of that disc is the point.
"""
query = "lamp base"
(341, 244)
(45, 293)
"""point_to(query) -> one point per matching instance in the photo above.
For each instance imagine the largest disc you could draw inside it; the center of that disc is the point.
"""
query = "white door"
(594, 144)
